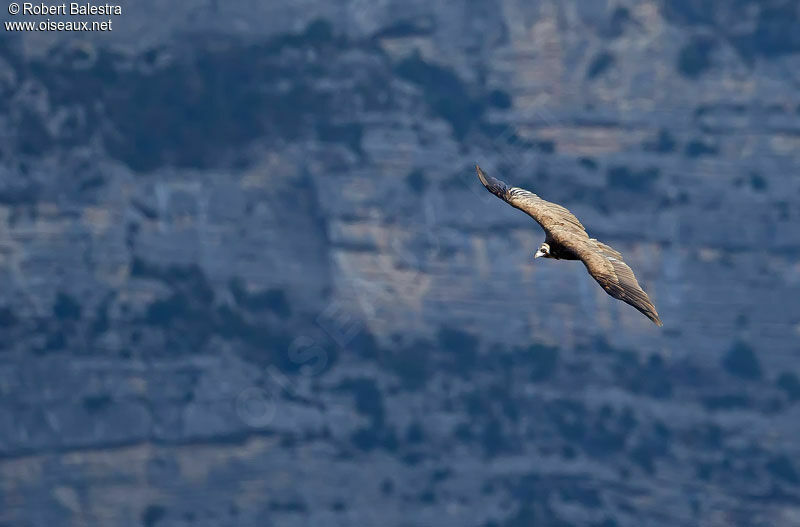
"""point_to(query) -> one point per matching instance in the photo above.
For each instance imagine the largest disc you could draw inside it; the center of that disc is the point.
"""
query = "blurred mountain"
(249, 276)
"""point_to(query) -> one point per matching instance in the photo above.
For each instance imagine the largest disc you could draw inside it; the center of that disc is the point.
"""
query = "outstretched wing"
(557, 221)
(606, 266)
(603, 263)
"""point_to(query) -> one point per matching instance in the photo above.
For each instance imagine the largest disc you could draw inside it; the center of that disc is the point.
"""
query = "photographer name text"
(73, 8)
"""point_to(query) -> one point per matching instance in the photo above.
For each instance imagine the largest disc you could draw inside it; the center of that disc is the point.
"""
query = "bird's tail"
(495, 186)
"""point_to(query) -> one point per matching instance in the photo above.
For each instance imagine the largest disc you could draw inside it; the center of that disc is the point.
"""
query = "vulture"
(566, 239)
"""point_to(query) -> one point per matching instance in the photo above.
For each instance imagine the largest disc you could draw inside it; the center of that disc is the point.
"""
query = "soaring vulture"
(566, 239)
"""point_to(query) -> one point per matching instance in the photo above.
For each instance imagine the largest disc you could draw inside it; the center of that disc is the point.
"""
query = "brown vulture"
(566, 239)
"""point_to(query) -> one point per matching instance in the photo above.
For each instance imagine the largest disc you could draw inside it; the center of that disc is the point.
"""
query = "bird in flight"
(566, 239)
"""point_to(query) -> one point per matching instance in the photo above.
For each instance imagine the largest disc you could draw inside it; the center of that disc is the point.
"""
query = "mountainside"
(250, 278)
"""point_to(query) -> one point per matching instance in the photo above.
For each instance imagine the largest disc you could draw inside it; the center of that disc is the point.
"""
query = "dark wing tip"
(645, 305)
(481, 175)
(495, 186)
(636, 297)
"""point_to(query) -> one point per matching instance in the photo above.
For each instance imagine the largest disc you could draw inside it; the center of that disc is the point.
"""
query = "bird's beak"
(538, 254)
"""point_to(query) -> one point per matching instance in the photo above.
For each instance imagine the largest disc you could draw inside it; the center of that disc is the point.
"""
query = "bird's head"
(544, 251)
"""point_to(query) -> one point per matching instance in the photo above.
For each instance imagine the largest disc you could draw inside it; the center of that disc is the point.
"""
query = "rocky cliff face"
(249, 277)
